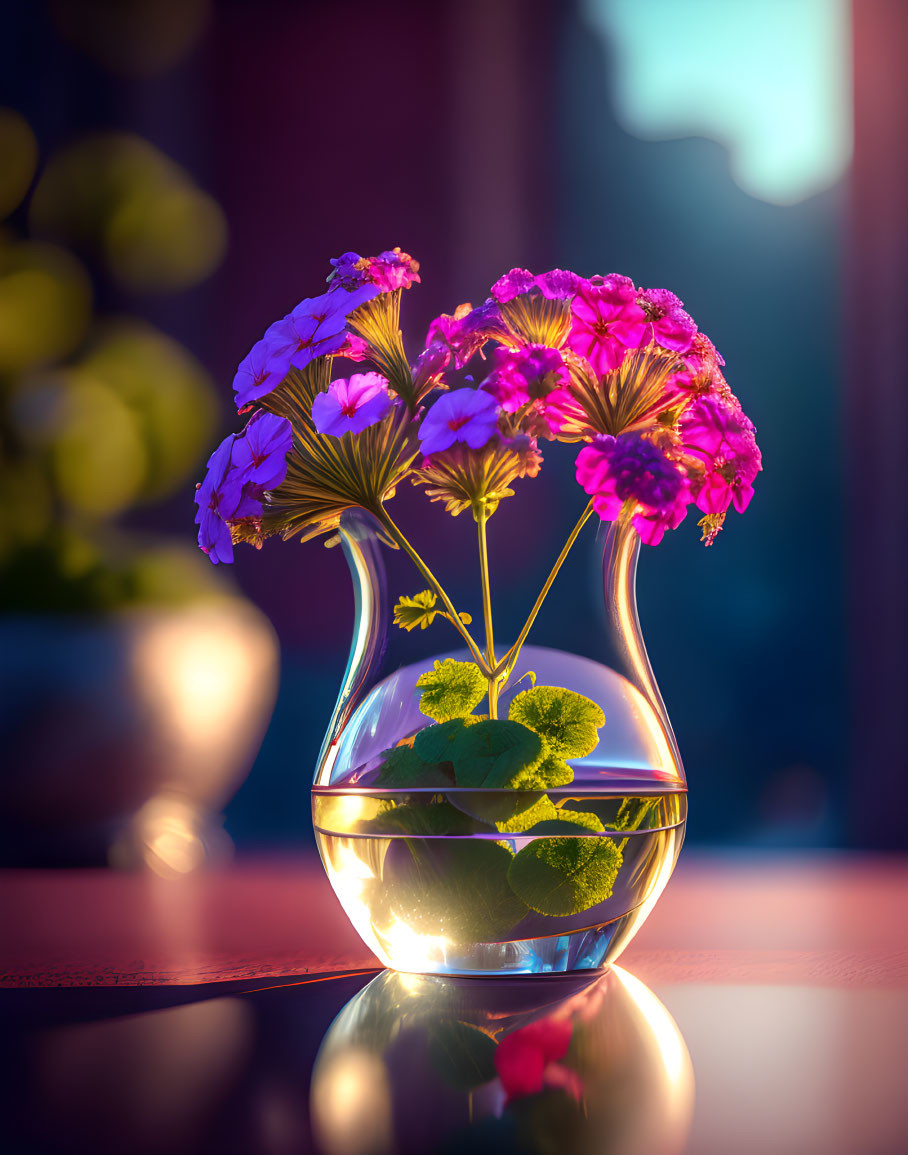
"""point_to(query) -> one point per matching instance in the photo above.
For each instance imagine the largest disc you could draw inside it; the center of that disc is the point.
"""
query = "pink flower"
(466, 330)
(718, 435)
(354, 348)
(607, 321)
(350, 406)
(519, 376)
(527, 1060)
(631, 467)
(671, 326)
(467, 415)
(428, 369)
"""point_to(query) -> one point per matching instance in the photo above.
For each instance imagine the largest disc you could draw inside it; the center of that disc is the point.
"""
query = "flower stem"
(433, 581)
(494, 682)
(506, 664)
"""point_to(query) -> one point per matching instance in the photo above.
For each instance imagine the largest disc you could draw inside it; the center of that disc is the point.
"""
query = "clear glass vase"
(435, 896)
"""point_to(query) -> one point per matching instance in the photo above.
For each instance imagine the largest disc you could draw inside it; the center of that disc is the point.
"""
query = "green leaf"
(420, 610)
(543, 817)
(434, 743)
(568, 722)
(561, 876)
(496, 807)
(451, 690)
(548, 774)
(436, 818)
(494, 754)
(452, 887)
(632, 812)
(463, 1055)
(403, 767)
(416, 611)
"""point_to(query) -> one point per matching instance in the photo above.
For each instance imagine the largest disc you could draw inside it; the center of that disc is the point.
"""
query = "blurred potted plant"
(111, 641)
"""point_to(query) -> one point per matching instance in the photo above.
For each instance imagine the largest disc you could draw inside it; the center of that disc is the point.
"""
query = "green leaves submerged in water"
(451, 690)
(493, 754)
(568, 722)
(404, 768)
(543, 817)
(457, 888)
(562, 876)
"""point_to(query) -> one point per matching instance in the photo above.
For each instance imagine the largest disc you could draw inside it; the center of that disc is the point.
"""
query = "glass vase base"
(576, 952)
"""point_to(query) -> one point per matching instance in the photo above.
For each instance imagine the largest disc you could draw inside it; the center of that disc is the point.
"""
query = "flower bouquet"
(498, 808)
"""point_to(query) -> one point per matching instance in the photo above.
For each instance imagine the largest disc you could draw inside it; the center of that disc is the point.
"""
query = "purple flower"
(260, 452)
(350, 406)
(466, 330)
(240, 470)
(672, 327)
(316, 326)
(259, 373)
(467, 415)
(349, 271)
(388, 271)
(558, 283)
(512, 284)
(522, 375)
(631, 467)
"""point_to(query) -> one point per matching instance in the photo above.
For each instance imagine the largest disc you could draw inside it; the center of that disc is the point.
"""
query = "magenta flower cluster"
(631, 467)
(710, 460)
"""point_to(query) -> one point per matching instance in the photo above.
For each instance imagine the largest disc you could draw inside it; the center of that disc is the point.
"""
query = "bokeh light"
(19, 151)
(45, 305)
(762, 77)
(117, 194)
(132, 37)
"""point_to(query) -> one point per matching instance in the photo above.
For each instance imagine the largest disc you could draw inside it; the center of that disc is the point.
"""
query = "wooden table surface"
(828, 920)
(787, 976)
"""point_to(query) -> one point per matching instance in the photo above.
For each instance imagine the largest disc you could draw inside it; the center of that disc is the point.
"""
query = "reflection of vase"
(126, 734)
(422, 1064)
(428, 875)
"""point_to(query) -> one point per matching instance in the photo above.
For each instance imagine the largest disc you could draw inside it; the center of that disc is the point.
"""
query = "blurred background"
(175, 174)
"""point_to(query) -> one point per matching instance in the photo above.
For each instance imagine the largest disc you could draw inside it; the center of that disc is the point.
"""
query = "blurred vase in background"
(135, 686)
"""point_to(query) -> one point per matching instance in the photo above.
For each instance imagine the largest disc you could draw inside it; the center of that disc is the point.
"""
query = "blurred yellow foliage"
(45, 304)
(19, 153)
(155, 229)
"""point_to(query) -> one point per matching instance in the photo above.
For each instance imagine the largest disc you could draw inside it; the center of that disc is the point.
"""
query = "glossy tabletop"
(763, 1008)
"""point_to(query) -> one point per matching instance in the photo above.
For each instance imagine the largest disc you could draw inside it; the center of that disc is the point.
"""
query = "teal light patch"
(768, 79)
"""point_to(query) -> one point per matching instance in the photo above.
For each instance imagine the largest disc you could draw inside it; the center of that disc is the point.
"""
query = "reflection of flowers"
(527, 1060)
